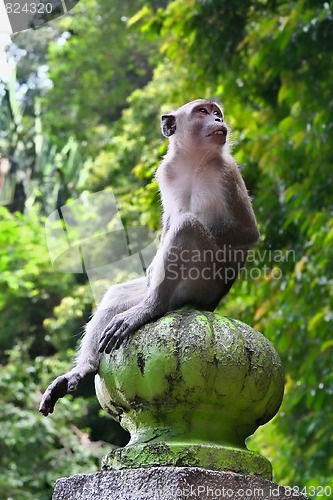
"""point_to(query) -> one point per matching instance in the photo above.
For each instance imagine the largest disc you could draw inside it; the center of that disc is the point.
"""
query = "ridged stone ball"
(192, 377)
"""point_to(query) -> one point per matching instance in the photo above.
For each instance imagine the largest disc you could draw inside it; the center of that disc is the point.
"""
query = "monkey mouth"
(219, 131)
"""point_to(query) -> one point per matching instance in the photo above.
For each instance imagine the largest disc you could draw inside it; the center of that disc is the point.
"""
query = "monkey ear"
(168, 125)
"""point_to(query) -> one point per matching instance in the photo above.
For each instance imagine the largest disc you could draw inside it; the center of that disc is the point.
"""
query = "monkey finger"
(105, 334)
(107, 344)
(115, 333)
(117, 342)
(110, 345)
(117, 339)
(106, 339)
(112, 342)
(121, 339)
(108, 348)
(110, 329)
(103, 343)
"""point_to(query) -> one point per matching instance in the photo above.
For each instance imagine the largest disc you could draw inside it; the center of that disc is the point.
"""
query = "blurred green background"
(80, 107)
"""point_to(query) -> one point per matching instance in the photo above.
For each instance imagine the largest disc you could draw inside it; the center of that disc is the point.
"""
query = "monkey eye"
(217, 113)
(203, 110)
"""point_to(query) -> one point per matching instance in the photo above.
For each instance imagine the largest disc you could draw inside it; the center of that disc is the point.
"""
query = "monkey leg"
(85, 368)
(118, 298)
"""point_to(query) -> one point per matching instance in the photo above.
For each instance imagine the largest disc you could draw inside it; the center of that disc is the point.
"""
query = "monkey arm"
(186, 270)
(235, 234)
(240, 228)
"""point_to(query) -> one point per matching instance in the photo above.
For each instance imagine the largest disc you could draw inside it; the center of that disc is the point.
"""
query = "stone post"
(190, 388)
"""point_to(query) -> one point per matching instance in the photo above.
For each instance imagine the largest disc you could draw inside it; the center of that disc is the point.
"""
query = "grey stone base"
(169, 483)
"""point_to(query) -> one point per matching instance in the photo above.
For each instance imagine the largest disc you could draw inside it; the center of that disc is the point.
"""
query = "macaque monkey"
(208, 226)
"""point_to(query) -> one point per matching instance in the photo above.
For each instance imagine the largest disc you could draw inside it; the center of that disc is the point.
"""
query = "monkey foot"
(65, 384)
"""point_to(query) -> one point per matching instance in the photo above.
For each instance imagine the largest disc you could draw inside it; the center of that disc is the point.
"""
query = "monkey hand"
(120, 327)
(65, 384)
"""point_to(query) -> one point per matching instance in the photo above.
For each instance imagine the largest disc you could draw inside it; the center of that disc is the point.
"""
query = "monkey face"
(200, 122)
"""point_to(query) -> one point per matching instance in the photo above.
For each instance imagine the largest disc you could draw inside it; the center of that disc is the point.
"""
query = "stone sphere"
(192, 377)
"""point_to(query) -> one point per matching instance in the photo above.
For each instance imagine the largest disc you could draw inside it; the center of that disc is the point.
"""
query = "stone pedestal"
(190, 388)
(169, 483)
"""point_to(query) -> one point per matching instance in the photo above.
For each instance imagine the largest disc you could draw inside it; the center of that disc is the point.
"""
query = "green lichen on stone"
(192, 380)
(205, 456)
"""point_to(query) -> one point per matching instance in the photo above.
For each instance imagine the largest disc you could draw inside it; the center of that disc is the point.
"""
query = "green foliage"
(35, 451)
(133, 153)
(29, 289)
(40, 172)
(270, 64)
(95, 70)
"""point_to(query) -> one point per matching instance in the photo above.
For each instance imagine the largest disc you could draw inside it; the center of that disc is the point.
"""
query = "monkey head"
(199, 122)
